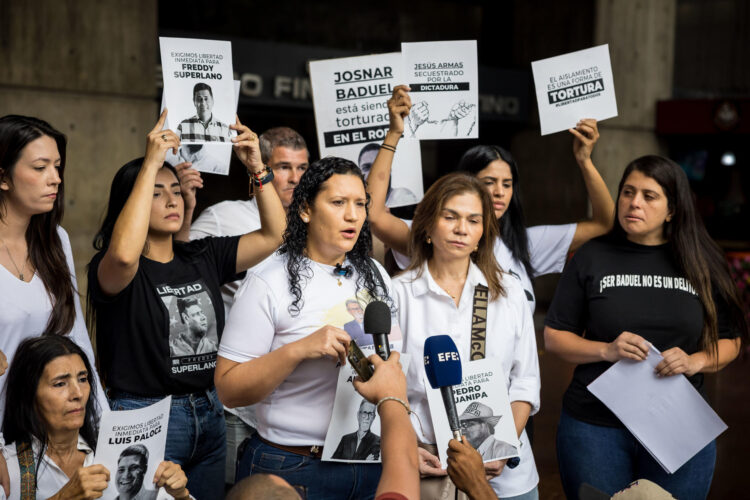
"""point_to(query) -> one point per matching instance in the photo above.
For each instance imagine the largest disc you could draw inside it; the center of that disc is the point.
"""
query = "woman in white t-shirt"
(37, 275)
(523, 252)
(284, 338)
(452, 255)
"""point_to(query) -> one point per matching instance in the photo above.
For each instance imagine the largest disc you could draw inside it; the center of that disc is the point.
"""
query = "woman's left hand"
(173, 479)
(586, 134)
(3, 363)
(247, 147)
(675, 362)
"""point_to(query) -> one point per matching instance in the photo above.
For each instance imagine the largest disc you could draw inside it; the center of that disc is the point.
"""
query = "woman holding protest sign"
(283, 346)
(452, 273)
(523, 252)
(657, 280)
(52, 428)
(157, 305)
(37, 275)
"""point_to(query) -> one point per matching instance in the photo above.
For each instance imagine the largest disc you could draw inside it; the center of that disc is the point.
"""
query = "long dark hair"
(122, 186)
(22, 421)
(295, 236)
(428, 211)
(696, 254)
(512, 224)
(44, 246)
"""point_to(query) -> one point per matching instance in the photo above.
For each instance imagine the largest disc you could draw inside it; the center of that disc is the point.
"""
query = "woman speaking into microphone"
(284, 338)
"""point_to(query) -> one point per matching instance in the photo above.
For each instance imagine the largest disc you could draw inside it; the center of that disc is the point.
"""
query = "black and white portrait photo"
(192, 321)
(203, 126)
(130, 474)
(478, 426)
(362, 444)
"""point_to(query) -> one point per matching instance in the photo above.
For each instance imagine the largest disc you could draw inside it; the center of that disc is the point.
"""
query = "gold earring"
(305, 220)
(429, 240)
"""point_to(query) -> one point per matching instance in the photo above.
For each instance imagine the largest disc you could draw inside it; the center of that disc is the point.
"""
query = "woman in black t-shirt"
(656, 278)
(157, 302)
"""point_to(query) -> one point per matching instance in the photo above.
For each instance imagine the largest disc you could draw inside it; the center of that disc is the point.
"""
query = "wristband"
(260, 181)
(388, 147)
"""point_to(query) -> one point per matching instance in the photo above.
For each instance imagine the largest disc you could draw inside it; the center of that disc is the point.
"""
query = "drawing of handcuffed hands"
(462, 118)
(419, 114)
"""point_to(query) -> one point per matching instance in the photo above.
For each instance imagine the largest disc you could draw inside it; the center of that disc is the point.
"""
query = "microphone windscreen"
(442, 363)
(377, 318)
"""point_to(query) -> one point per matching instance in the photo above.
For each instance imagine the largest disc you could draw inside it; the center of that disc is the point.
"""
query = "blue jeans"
(196, 438)
(312, 478)
(610, 458)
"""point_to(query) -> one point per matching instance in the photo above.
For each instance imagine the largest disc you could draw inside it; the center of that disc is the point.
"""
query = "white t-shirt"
(425, 309)
(24, 311)
(298, 411)
(229, 218)
(49, 476)
(548, 249)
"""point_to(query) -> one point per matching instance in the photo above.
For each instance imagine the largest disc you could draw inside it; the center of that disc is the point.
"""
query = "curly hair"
(295, 237)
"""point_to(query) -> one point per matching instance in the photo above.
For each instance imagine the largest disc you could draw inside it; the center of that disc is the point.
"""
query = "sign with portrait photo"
(208, 157)
(198, 88)
(444, 82)
(131, 446)
(354, 432)
(574, 86)
(483, 412)
(350, 97)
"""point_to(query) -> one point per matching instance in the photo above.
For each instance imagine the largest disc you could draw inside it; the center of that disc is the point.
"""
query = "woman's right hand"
(159, 141)
(627, 345)
(429, 464)
(399, 106)
(327, 341)
(86, 483)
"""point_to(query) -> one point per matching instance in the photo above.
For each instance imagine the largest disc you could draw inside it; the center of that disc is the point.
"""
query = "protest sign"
(131, 446)
(354, 432)
(350, 97)
(208, 157)
(198, 88)
(574, 86)
(483, 410)
(444, 89)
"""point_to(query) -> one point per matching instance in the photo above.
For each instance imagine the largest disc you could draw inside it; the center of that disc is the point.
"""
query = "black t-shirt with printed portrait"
(613, 285)
(160, 334)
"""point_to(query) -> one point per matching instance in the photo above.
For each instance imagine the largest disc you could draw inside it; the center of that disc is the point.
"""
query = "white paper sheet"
(482, 389)
(350, 96)
(574, 86)
(342, 444)
(443, 77)
(186, 62)
(134, 431)
(666, 414)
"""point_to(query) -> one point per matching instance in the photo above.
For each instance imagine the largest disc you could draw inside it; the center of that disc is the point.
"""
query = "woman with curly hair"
(282, 346)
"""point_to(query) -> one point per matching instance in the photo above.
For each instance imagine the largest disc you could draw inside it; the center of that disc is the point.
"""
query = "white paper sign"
(666, 414)
(350, 97)
(198, 88)
(574, 86)
(128, 440)
(209, 157)
(444, 89)
(352, 414)
(483, 410)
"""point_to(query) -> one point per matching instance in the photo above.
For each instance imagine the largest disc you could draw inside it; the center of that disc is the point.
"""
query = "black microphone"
(442, 364)
(377, 323)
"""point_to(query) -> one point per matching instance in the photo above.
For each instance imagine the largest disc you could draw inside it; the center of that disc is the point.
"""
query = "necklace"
(19, 271)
